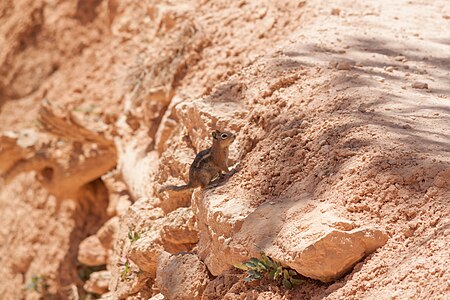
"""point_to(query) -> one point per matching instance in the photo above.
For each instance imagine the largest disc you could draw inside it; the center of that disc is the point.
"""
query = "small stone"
(379, 78)
(400, 58)
(420, 85)
(408, 233)
(340, 65)
(157, 297)
(343, 65)
(390, 69)
(181, 276)
(335, 12)
(27, 138)
(439, 182)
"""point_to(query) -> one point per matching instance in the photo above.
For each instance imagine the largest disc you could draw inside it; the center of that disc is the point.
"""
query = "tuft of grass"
(266, 267)
(133, 236)
(126, 273)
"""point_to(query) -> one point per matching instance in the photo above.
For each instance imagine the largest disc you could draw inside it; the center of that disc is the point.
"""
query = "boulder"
(91, 252)
(180, 227)
(334, 252)
(145, 252)
(176, 232)
(181, 276)
(308, 237)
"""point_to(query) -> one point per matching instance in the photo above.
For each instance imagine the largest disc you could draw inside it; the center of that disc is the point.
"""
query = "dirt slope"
(340, 109)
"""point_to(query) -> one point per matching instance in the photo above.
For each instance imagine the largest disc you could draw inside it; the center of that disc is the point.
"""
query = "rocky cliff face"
(341, 169)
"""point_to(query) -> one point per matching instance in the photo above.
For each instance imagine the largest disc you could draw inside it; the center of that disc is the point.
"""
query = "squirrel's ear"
(215, 134)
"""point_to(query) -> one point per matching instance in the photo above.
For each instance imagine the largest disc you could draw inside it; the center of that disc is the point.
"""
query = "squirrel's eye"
(224, 135)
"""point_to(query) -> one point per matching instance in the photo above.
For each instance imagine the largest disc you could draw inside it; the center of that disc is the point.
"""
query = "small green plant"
(38, 283)
(125, 274)
(258, 268)
(133, 236)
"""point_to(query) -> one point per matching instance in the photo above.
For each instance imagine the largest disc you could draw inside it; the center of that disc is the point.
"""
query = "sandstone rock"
(167, 16)
(171, 200)
(119, 198)
(179, 228)
(218, 287)
(181, 276)
(442, 179)
(157, 297)
(198, 117)
(168, 124)
(107, 296)
(107, 234)
(174, 233)
(400, 58)
(129, 274)
(336, 252)
(219, 216)
(98, 282)
(123, 285)
(340, 65)
(317, 244)
(173, 169)
(145, 252)
(27, 138)
(135, 167)
(335, 12)
(420, 85)
(91, 252)
(344, 65)
(122, 205)
(142, 215)
(220, 111)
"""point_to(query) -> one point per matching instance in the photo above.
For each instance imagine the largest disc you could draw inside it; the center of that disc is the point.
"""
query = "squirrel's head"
(223, 138)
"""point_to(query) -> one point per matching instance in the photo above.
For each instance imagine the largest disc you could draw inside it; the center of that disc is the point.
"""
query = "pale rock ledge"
(307, 236)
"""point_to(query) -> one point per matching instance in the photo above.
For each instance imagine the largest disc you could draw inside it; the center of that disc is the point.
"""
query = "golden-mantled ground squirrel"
(208, 163)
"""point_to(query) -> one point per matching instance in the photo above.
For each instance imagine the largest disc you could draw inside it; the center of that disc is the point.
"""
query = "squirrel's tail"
(175, 187)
